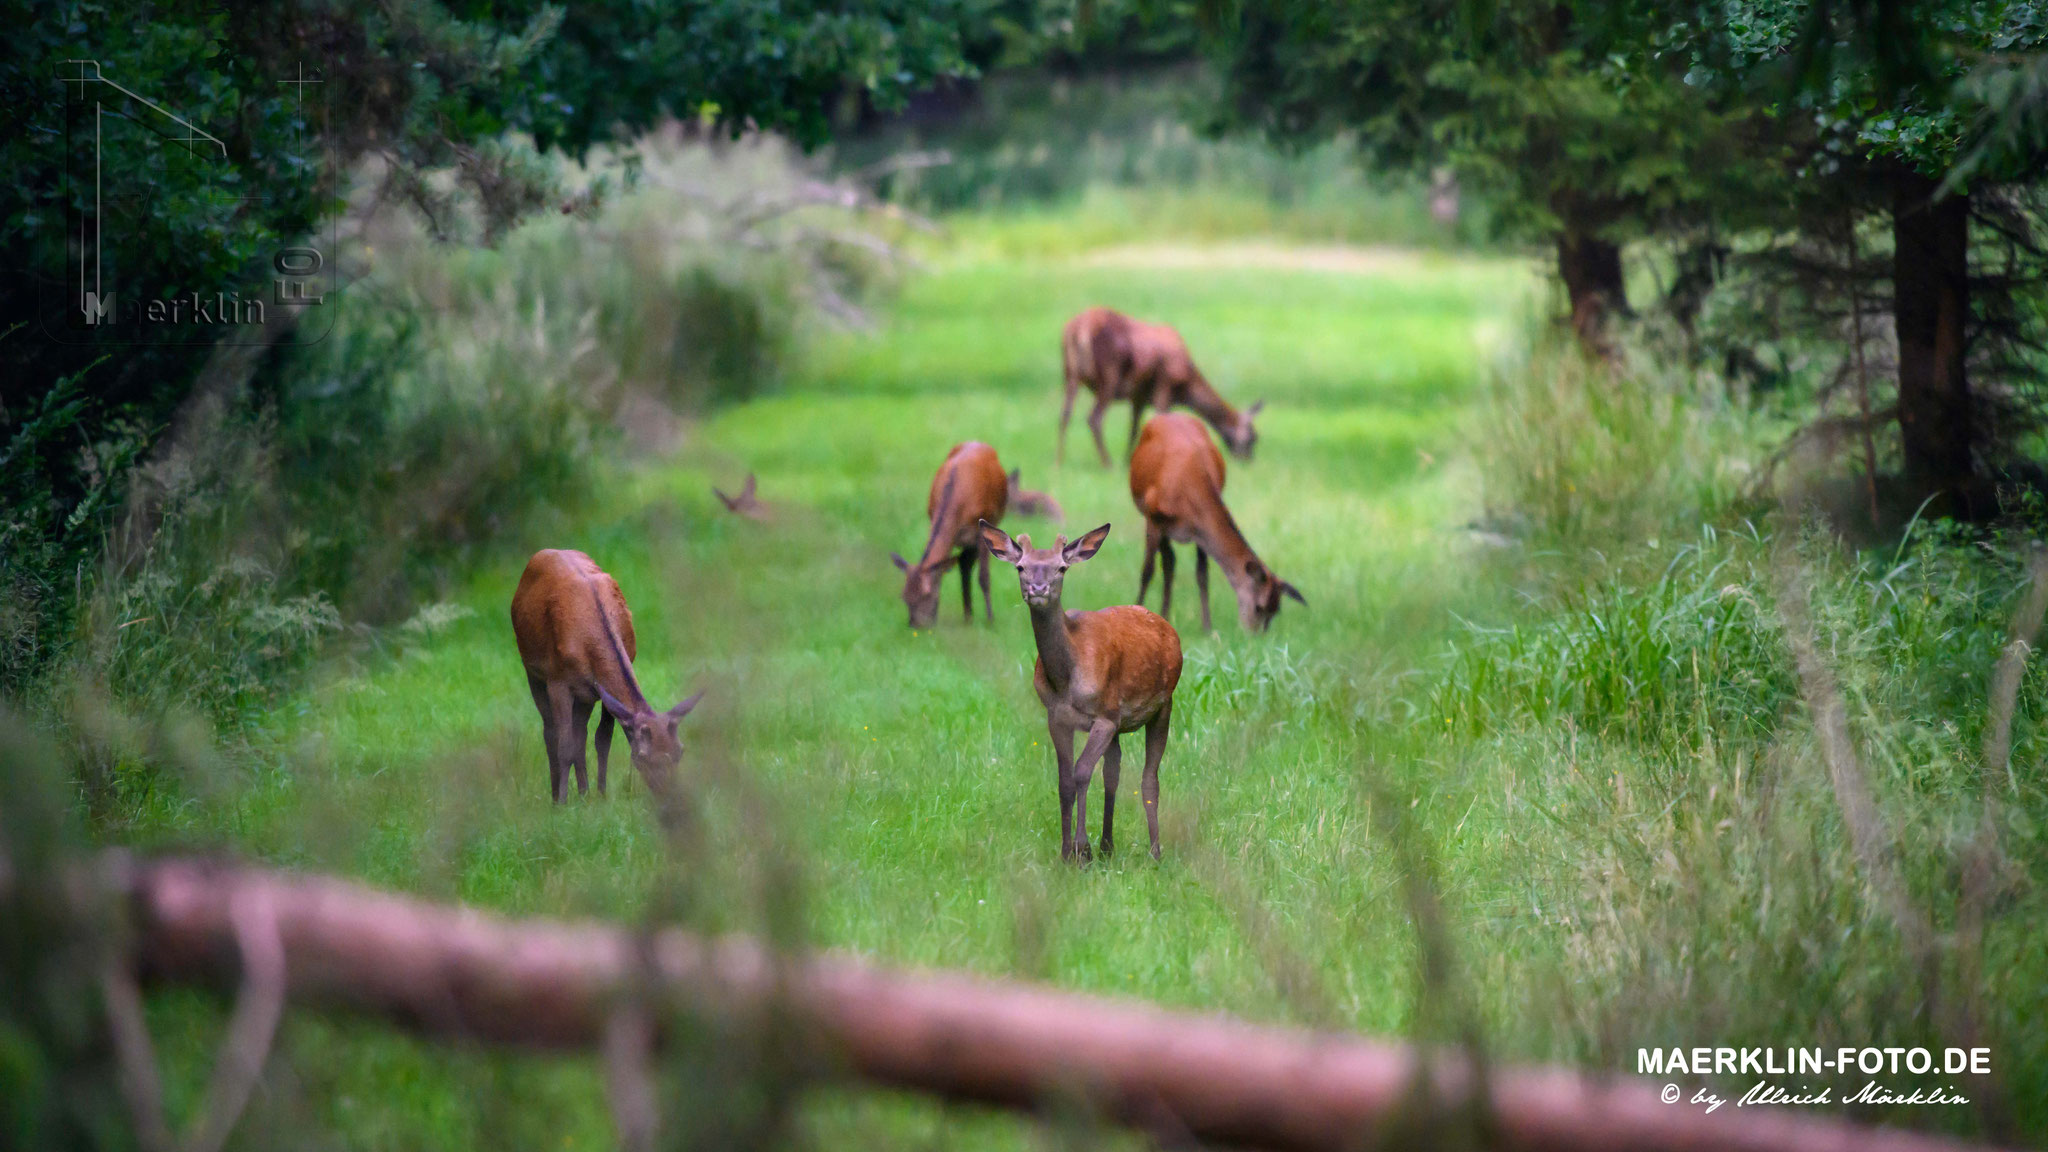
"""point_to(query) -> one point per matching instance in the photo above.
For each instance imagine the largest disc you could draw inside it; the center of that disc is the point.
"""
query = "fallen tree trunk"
(457, 973)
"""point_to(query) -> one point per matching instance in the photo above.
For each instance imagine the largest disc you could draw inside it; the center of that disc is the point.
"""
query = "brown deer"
(746, 503)
(969, 487)
(575, 638)
(1027, 502)
(1105, 672)
(1177, 483)
(1119, 358)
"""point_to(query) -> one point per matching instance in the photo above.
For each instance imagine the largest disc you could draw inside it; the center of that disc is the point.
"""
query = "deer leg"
(1155, 747)
(966, 582)
(604, 745)
(579, 725)
(1066, 414)
(1063, 752)
(545, 704)
(1101, 735)
(1095, 415)
(1153, 535)
(1112, 767)
(1166, 578)
(1137, 418)
(988, 604)
(560, 752)
(1202, 583)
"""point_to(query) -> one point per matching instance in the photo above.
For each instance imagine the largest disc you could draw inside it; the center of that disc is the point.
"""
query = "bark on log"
(457, 973)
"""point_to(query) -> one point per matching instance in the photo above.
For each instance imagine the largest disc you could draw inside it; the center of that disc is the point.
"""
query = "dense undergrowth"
(1688, 865)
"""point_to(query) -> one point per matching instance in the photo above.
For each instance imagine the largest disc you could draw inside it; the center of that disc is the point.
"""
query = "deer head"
(1258, 598)
(1242, 436)
(921, 589)
(652, 736)
(1041, 572)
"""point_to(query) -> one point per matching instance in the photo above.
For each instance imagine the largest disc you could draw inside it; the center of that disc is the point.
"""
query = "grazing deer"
(575, 638)
(969, 487)
(1030, 503)
(1105, 672)
(1119, 358)
(746, 503)
(1177, 483)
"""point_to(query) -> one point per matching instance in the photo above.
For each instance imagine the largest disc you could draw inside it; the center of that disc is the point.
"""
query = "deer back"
(1126, 656)
(1098, 350)
(1176, 471)
(572, 624)
(970, 486)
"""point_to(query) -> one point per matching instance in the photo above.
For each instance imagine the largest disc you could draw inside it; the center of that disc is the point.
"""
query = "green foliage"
(1038, 140)
(777, 67)
(1565, 122)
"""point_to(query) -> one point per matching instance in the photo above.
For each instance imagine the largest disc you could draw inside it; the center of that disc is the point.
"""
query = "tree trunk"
(1591, 268)
(1931, 305)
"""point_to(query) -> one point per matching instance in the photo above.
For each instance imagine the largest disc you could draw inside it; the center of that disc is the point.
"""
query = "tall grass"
(1581, 450)
(1685, 867)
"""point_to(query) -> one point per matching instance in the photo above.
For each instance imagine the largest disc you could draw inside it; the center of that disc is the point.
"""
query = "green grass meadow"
(902, 777)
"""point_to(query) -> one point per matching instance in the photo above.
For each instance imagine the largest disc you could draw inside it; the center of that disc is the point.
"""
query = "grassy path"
(905, 772)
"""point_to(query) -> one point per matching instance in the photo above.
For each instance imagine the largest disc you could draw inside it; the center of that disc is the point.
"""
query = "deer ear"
(681, 710)
(1287, 589)
(1086, 546)
(729, 502)
(900, 561)
(618, 711)
(750, 487)
(1253, 411)
(999, 544)
(1016, 477)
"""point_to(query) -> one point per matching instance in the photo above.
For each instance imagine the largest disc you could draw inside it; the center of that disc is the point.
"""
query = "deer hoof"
(1108, 847)
(1155, 851)
(1079, 853)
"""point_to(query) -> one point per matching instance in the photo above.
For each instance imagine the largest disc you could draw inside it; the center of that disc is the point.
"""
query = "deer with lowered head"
(1177, 483)
(1105, 672)
(575, 638)
(969, 487)
(1119, 358)
(1028, 502)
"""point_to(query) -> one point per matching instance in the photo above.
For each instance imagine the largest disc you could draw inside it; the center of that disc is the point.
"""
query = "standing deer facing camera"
(1177, 482)
(575, 638)
(1104, 672)
(1118, 358)
(969, 487)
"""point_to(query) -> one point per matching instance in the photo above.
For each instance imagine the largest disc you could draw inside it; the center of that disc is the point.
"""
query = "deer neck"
(1055, 647)
(944, 531)
(623, 685)
(1211, 406)
(1216, 533)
